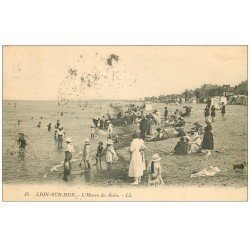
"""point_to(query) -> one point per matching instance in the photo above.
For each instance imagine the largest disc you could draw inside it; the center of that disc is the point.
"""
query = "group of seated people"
(175, 121)
(190, 142)
(187, 146)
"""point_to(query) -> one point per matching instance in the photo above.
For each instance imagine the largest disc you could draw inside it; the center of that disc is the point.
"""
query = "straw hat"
(110, 142)
(208, 121)
(68, 140)
(86, 140)
(156, 158)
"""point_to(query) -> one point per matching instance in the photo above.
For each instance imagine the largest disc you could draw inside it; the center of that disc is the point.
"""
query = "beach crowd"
(147, 128)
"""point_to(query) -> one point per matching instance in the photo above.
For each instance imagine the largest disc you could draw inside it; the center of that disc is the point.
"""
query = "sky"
(40, 72)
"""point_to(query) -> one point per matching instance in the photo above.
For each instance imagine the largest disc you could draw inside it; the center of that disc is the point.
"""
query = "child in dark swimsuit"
(49, 126)
(22, 142)
(99, 154)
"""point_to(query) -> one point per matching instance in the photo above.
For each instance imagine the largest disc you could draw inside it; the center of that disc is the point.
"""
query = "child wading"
(68, 156)
(99, 154)
(154, 168)
(60, 136)
(55, 132)
(49, 126)
(22, 142)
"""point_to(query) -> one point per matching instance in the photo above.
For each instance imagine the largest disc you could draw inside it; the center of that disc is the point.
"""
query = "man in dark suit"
(144, 126)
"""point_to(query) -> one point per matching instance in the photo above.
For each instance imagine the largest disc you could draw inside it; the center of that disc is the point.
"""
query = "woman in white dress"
(111, 155)
(195, 145)
(110, 130)
(137, 163)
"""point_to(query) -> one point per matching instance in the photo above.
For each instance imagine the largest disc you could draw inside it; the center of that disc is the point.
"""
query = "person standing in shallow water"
(22, 142)
(208, 139)
(49, 127)
(55, 132)
(223, 111)
(68, 156)
(57, 123)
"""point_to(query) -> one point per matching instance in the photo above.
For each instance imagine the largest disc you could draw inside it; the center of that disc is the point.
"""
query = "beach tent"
(148, 106)
(238, 99)
(192, 100)
(218, 100)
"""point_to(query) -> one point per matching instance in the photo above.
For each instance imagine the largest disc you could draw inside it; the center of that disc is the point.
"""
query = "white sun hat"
(110, 142)
(156, 158)
(68, 139)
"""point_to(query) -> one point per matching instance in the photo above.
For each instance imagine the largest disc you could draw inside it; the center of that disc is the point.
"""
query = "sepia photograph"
(125, 123)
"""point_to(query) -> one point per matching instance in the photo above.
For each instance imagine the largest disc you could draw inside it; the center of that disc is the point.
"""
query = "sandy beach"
(230, 148)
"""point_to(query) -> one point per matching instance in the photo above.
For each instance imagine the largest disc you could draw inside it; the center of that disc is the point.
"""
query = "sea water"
(42, 152)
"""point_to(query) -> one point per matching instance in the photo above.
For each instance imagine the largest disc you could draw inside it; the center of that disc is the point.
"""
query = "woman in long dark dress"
(208, 139)
(213, 113)
(207, 113)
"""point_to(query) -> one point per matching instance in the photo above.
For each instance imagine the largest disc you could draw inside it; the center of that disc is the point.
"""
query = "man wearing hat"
(68, 156)
(154, 168)
(86, 155)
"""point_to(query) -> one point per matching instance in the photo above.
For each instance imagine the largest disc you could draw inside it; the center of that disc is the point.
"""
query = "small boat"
(148, 106)
(115, 105)
(126, 120)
